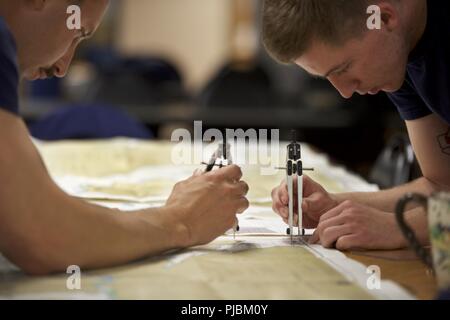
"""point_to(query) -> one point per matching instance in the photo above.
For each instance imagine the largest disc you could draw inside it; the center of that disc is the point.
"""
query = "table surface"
(400, 266)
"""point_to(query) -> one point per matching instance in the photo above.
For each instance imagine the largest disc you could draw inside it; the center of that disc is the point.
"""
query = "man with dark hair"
(44, 230)
(408, 57)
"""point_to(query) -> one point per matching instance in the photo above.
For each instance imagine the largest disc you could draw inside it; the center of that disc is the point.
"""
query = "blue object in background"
(48, 88)
(444, 295)
(88, 122)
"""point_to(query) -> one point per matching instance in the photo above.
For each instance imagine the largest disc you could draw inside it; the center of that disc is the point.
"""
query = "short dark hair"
(290, 26)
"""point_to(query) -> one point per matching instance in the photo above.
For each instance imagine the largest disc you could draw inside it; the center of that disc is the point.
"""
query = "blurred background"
(157, 65)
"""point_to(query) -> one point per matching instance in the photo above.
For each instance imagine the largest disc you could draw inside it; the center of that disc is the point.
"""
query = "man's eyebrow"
(334, 69)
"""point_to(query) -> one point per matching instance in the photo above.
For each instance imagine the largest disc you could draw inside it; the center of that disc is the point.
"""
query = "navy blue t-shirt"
(426, 89)
(9, 75)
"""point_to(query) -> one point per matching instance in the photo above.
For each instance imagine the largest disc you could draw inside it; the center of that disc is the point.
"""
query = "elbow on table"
(31, 260)
(33, 267)
(32, 255)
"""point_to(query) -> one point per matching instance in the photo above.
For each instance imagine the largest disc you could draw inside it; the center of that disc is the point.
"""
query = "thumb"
(313, 202)
(314, 238)
(305, 205)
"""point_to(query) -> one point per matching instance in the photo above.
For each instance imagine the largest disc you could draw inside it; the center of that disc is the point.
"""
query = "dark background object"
(396, 164)
(238, 88)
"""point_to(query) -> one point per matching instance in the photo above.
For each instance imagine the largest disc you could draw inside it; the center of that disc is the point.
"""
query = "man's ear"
(36, 5)
(389, 15)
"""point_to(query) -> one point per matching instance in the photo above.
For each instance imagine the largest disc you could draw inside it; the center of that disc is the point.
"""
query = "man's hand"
(316, 201)
(205, 206)
(354, 226)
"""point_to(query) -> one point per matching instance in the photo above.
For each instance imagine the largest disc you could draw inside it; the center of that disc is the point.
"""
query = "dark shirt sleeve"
(9, 75)
(409, 104)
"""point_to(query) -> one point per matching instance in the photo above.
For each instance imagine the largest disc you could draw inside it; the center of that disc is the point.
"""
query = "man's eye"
(341, 72)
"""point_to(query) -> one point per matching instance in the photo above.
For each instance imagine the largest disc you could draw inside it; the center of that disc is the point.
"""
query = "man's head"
(330, 39)
(45, 44)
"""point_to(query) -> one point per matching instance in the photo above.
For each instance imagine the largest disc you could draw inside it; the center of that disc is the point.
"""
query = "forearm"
(48, 238)
(44, 230)
(95, 237)
(386, 200)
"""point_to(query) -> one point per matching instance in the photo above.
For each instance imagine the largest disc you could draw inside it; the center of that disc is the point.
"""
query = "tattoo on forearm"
(444, 142)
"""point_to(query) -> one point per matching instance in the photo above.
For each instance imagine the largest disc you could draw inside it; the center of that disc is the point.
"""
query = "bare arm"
(44, 230)
(426, 138)
(387, 199)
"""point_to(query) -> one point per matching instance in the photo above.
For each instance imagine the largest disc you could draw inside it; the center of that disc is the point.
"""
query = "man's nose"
(61, 68)
(345, 88)
(62, 65)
